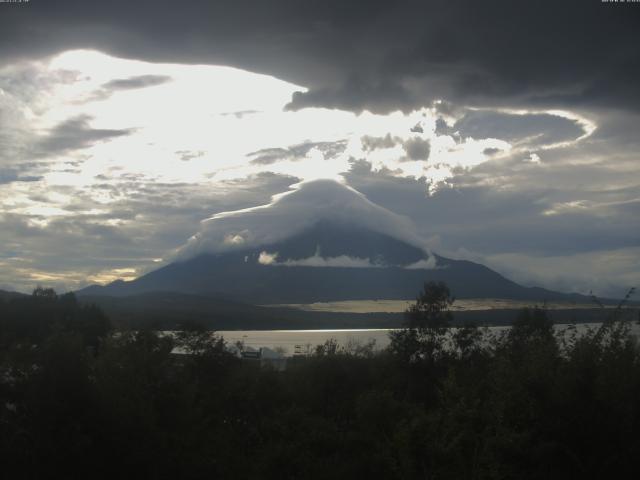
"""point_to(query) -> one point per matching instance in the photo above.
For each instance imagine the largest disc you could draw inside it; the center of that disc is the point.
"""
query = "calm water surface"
(287, 340)
(399, 306)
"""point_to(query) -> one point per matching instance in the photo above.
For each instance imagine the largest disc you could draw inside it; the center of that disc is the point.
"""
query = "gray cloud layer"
(143, 221)
(293, 212)
(370, 54)
(269, 156)
(578, 204)
(533, 129)
(123, 84)
(74, 134)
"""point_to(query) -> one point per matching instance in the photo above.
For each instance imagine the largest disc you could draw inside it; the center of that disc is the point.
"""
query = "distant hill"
(168, 311)
(6, 295)
(327, 262)
(173, 311)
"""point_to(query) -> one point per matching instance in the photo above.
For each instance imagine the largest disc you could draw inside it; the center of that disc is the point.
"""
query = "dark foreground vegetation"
(78, 400)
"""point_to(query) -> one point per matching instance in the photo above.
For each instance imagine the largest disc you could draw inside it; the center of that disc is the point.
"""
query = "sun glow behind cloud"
(201, 122)
(95, 129)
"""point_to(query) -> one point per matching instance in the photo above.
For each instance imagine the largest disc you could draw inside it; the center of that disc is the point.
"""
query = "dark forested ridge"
(169, 310)
(8, 295)
(79, 399)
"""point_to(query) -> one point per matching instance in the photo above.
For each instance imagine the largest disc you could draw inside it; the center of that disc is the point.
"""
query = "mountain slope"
(351, 263)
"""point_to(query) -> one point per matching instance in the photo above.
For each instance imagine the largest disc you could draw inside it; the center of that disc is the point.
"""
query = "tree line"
(78, 399)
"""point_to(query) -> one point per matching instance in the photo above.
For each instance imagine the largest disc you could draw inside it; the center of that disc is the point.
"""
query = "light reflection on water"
(287, 340)
(399, 306)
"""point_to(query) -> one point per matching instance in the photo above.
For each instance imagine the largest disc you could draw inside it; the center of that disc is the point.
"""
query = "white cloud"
(266, 258)
(106, 206)
(534, 158)
(295, 211)
(342, 261)
(424, 264)
(234, 239)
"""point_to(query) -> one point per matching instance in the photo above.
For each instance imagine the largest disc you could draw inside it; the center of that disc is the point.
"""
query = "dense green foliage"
(80, 401)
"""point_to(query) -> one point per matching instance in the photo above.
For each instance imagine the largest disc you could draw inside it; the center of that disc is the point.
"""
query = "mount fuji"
(321, 242)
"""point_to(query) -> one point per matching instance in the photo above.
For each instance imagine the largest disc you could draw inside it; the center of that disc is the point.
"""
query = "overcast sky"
(503, 132)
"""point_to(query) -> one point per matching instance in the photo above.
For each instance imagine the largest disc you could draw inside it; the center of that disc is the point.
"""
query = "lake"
(287, 340)
(460, 305)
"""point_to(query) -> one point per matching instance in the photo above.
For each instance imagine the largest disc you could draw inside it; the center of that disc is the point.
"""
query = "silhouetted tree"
(443, 403)
(426, 322)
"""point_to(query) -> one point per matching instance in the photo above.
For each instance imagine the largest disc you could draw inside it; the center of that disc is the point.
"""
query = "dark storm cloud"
(74, 134)
(268, 156)
(366, 54)
(358, 95)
